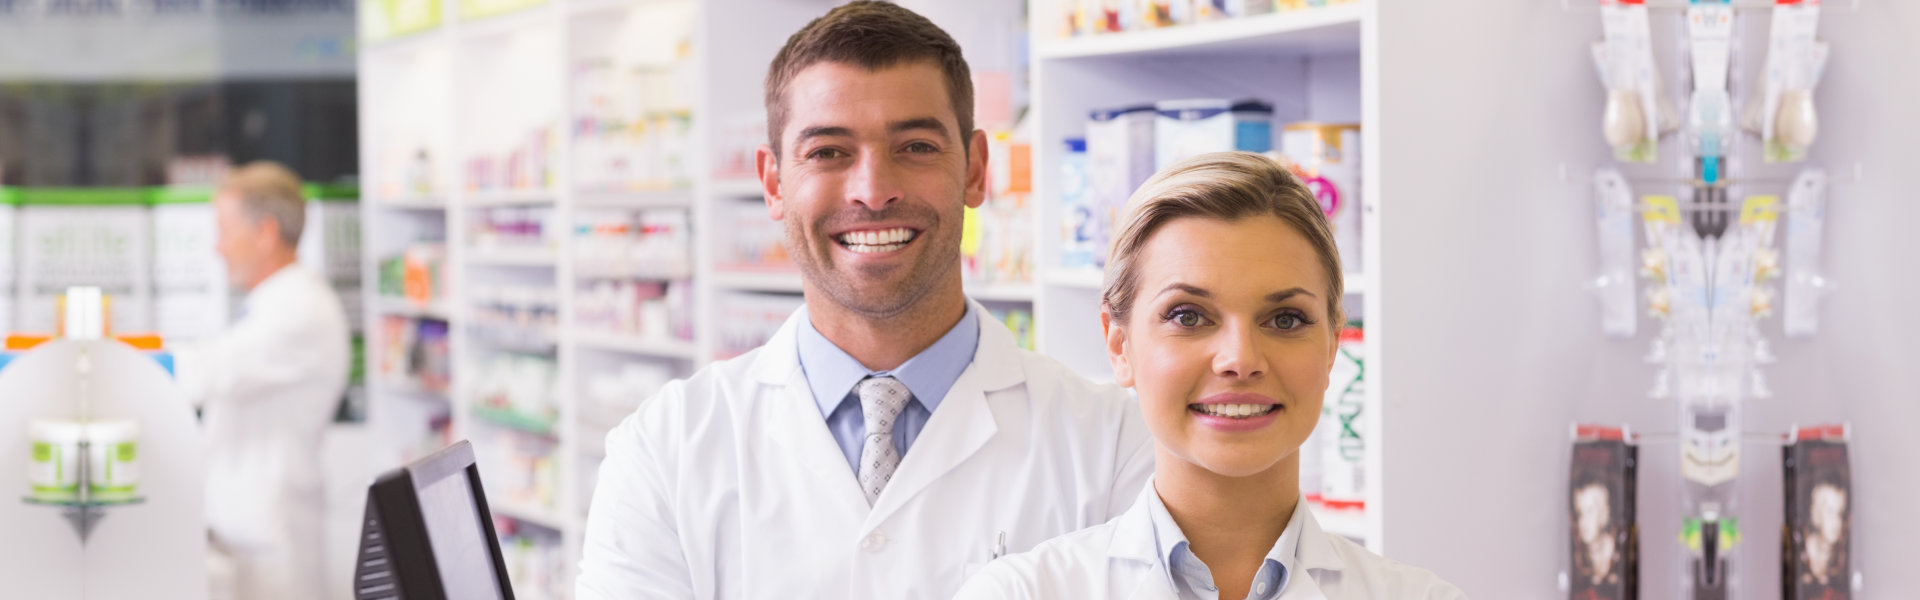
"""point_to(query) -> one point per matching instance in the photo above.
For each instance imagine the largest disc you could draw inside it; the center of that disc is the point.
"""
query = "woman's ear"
(1116, 333)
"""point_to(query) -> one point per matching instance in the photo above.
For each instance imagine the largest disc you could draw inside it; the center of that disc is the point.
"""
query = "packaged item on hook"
(1605, 562)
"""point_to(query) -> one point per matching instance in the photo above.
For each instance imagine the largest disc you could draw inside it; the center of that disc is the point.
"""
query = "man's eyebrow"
(823, 131)
(920, 123)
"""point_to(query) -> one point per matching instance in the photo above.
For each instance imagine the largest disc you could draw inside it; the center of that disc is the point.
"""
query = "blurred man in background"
(267, 387)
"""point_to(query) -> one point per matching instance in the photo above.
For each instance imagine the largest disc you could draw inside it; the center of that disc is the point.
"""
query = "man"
(889, 439)
(267, 388)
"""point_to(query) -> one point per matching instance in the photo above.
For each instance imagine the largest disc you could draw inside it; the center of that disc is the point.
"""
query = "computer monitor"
(428, 535)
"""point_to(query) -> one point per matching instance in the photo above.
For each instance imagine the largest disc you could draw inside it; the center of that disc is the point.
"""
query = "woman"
(1221, 309)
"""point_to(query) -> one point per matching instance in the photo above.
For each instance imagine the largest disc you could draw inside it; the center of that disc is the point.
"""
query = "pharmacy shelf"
(406, 388)
(759, 281)
(410, 203)
(484, 29)
(531, 515)
(403, 307)
(634, 344)
(513, 198)
(588, 272)
(1002, 292)
(533, 256)
(1319, 30)
(405, 44)
(738, 188)
(541, 426)
(661, 198)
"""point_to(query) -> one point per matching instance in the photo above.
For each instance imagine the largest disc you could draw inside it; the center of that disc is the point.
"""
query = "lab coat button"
(873, 543)
(1260, 589)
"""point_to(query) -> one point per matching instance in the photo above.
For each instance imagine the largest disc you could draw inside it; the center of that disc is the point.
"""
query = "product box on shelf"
(746, 321)
(1342, 433)
(1816, 538)
(646, 309)
(414, 353)
(1327, 159)
(1601, 513)
(1120, 157)
(753, 241)
(1081, 239)
(418, 274)
(515, 227)
(1186, 128)
(651, 244)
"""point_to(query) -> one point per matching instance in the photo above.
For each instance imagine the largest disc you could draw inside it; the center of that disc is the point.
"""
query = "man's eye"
(825, 154)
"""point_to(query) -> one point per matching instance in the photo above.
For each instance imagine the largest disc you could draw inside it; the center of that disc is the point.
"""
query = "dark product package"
(1604, 531)
(1816, 553)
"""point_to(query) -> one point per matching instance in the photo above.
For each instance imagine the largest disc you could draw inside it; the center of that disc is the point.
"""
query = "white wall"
(1493, 347)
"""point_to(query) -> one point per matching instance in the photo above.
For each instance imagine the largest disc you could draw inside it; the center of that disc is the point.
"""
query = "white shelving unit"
(469, 87)
(1308, 63)
(433, 101)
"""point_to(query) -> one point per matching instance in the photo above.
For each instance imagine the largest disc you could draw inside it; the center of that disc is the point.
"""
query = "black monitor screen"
(458, 537)
(429, 535)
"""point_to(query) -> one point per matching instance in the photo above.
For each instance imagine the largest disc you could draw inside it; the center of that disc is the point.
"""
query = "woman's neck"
(1231, 523)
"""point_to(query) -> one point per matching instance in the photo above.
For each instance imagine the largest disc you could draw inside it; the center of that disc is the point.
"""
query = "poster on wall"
(1816, 553)
(1604, 529)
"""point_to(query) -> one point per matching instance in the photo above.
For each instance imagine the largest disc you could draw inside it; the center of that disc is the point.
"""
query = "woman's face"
(1229, 341)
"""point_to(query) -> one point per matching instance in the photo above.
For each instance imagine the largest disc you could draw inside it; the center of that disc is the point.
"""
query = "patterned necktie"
(881, 399)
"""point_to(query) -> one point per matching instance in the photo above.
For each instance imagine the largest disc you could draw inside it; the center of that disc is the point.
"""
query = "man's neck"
(883, 344)
(273, 264)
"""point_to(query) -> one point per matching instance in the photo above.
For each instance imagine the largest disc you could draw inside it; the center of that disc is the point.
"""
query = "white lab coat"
(267, 388)
(1117, 560)
(728, 484)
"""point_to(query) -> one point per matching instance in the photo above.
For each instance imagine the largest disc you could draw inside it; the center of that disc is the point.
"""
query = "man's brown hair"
(874, 36)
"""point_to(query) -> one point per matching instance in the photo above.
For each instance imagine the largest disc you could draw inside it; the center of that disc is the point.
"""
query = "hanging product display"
(1711, 253)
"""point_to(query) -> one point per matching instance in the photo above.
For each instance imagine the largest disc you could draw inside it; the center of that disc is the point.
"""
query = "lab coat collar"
(997, 355)
(1133, 540)
(273, 284)
(832, 373)
(953, 434)
(963, 424)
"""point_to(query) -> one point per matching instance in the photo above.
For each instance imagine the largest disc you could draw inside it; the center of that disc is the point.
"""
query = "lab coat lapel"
(1132, 547)
(963, 424)
(1315, 556)
(791, 417)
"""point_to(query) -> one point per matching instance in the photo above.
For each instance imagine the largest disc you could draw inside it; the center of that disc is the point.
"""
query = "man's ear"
(977, 169)
(1116, 334)
(767, 163)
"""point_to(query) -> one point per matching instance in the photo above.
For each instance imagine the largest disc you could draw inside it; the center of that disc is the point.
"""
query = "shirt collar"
(1170, 543)
(831, 373)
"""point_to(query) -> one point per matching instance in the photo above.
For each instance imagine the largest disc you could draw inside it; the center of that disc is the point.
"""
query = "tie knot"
(881, 400)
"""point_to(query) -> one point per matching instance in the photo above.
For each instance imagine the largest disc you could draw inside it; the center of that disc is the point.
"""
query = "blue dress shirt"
(1191, 579)
(831, 374)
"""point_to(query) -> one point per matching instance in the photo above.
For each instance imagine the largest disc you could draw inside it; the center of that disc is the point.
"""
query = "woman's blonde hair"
(1221, 185)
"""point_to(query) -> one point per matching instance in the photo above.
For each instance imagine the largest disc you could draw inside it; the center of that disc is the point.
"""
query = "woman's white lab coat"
(268, 387)
(729, 485)
(1117, 560)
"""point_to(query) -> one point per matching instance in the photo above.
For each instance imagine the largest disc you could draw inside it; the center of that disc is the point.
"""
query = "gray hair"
(268, 190)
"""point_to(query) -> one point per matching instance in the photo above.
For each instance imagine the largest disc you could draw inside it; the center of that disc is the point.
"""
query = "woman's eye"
(1288, 321)
(1186, 318)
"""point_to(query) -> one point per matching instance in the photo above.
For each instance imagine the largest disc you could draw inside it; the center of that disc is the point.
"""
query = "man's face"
(242, 241)
(872, 182)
